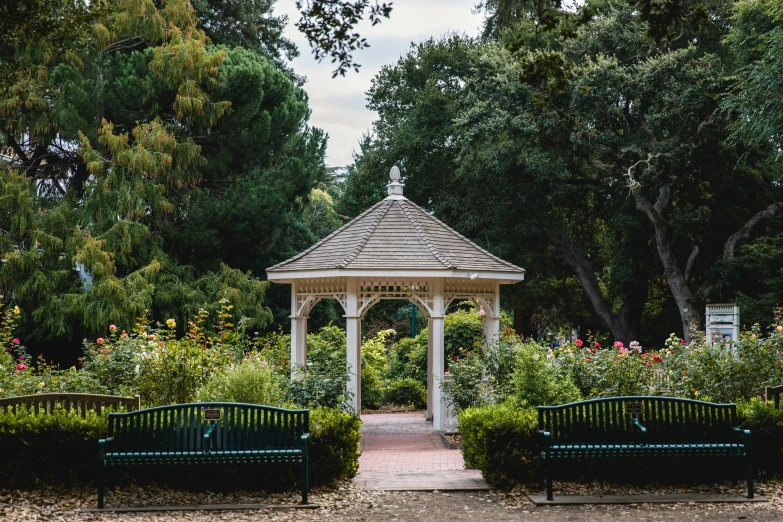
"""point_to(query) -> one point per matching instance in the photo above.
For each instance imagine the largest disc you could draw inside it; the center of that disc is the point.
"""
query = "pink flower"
(482, 313)
(16, 340)
(99, 340)
(446, 372)
(21, 357)
(21, 366)
(152, 337)
(112, 327)
(596, 345)
(579, 343)
(618, 344)
(648, 364)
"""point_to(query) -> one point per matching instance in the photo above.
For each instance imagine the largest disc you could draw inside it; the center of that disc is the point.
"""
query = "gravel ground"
(351, 503)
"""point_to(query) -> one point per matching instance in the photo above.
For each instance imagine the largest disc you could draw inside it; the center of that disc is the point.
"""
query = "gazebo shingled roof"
(395, 233)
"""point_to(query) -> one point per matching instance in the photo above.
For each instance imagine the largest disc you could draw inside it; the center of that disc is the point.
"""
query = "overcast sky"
(339, 105)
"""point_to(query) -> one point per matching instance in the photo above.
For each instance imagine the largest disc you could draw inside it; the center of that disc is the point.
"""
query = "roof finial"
(395, 187)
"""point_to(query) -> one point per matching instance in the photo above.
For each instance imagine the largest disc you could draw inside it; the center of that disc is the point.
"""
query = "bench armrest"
(639, 425)
(743, 434)
(546, 439)
(305, 443)
(207, 435)
(102, 443)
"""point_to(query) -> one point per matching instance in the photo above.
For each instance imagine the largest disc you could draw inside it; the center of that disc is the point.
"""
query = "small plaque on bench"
(212, 414)
(633, 408)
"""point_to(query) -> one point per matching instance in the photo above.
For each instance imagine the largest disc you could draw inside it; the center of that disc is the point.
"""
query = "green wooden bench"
(636, 427)
(203, 434)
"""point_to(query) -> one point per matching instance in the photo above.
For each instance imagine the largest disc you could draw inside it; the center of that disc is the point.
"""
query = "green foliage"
(54, 447)
(406, 392)
(408, 359)
(501, 440)
(766, 428)
(323, 381)
(537, 382)
(334, 445)
(374, 366)
(463, 330)
(464, 385)
(251, 381)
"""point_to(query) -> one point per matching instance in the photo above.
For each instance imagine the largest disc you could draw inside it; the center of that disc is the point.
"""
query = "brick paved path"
(400, 452)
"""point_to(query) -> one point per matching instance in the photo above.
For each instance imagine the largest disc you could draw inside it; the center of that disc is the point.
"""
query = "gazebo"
(394, 250)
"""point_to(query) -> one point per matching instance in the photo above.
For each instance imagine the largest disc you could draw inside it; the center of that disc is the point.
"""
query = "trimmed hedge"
(63, 447)
(501, 440)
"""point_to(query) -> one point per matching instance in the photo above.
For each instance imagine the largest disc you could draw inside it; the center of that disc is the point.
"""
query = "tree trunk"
(624, 325)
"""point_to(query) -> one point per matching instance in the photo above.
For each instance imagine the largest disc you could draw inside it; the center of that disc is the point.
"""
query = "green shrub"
(463, 330)
(252, 381)
(322, 382)
(408, 359)
(334, 445)
(766, 429)
(406, 392)
(374, 365)
(537, 381)
(60, 446)
(464, 385)
(501, 440)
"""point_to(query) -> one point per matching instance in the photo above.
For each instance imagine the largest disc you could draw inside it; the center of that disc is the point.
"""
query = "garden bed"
(452, 440)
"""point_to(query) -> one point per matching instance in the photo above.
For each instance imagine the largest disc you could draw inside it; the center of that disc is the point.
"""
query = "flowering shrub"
(537, 382)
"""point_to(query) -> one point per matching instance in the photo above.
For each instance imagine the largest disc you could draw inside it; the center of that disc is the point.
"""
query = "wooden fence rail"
(80, 402)
(773, 393)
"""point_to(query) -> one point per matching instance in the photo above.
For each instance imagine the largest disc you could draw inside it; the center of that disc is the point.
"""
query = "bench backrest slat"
(666, 418)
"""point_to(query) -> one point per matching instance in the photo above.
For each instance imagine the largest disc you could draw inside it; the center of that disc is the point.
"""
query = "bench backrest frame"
(665, 419)
(181, 427)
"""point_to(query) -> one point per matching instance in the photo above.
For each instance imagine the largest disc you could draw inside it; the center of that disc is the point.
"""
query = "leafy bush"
(334, 445)
(408, 359)
(252, 381)
(766, 429)
(464, 385)
(374, 365)
(537, 381)
(52, 447)
(463, 331)
(406, 392)
(501, 440)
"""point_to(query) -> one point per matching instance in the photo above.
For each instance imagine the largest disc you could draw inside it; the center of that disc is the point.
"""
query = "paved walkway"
(400, 453)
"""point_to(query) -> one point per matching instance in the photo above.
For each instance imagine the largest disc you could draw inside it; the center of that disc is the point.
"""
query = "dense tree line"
(626, 153)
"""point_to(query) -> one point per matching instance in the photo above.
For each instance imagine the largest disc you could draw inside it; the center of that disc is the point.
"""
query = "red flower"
(21, 366)
(596, 345)
(683, 341)
(21, 357)
(99, 340)
(453, 357)
(579, 343)
(657, 358)
(587, 358)
(592, 351)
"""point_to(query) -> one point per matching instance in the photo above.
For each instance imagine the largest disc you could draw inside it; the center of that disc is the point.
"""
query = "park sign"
(722, 322)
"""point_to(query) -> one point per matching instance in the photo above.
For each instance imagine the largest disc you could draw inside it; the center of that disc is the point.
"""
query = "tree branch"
(689, 264)
(745, 231)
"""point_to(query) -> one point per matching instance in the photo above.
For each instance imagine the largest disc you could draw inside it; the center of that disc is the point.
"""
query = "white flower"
(138, 368)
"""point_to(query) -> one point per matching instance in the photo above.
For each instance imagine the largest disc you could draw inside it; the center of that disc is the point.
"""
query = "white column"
(439, 420)
(492, 317)
(353, 334)
(298, 333)
(430, 386)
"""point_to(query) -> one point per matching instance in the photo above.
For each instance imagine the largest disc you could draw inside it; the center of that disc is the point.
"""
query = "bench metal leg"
(305, 480)
(750, 476)
(547, 477)
(101, 484)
